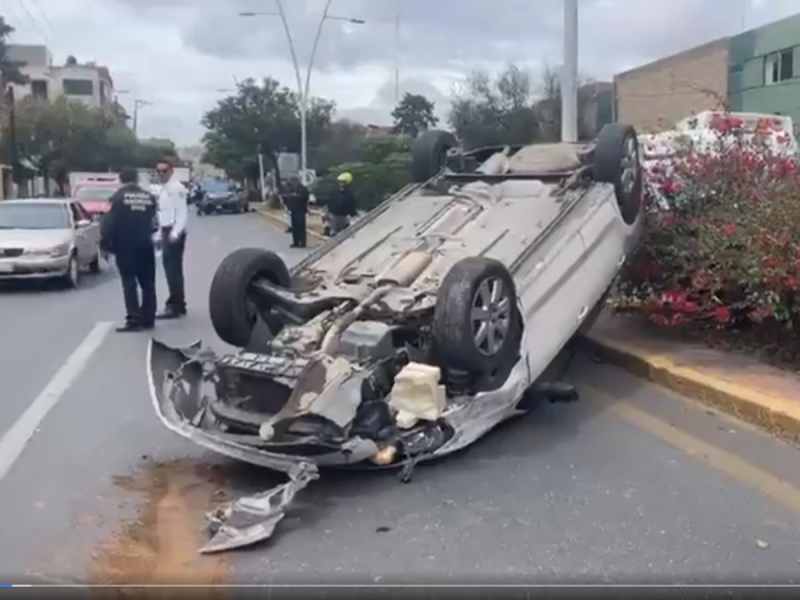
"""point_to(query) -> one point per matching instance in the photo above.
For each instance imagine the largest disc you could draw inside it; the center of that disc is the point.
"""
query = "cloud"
(177, 54)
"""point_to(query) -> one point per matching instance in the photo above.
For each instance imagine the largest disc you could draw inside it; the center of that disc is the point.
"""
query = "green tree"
(414, 114)
(548, 107)
(265, 116)
(341, 144)
(148, 152)
(384, 166)
(55, 138)
(9, 70)
(490, 110)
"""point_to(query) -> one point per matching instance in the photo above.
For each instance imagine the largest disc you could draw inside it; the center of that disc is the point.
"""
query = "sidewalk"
(277, 218)
(748, 390)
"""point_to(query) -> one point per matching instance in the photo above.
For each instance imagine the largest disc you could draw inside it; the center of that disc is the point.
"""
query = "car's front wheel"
(233, 306)
(72, 276)
(477, 326)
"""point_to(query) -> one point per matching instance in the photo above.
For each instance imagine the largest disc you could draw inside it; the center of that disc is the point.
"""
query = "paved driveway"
(631, 482)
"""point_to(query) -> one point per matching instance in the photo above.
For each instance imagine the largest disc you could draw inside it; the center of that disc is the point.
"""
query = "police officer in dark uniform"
(127, 233)
(296, 199)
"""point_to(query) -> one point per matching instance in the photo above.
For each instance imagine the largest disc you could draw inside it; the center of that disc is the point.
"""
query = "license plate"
(219, 206)
(6, 268)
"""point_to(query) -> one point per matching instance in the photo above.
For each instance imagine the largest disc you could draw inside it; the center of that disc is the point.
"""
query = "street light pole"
(397, 53)
(137, 104)
(569, 74)
(303, 86)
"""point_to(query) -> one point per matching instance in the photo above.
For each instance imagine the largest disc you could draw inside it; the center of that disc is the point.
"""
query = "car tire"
(232, 314)
(72, 278)
(94, 266)
(200, 212)
(456, 329)
(616, 161)
(429, 154)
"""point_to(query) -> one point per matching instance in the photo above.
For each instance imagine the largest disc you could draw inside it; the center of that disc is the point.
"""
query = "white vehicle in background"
(82, 178)
(709, 133)
(47, 239)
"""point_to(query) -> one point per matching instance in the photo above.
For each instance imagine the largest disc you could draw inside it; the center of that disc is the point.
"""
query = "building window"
(779, 66)
(39, 89)
(78, 87)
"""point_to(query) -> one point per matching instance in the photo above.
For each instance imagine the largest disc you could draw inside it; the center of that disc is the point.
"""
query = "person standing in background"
(296, 200)
(173, 213)
(341, 204)
(127, 232)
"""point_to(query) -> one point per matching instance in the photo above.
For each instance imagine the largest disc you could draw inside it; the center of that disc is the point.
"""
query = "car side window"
(78, 214)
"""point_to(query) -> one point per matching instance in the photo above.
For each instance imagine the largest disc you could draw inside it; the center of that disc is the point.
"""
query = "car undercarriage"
(414, 332)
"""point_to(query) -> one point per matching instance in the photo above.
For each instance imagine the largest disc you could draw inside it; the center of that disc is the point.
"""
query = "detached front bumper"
(176, 378)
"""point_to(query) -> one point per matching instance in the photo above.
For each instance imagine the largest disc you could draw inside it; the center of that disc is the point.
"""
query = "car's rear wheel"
(616, 161)
(232, 304)
(477, 326)
(94, 266)
(429, 154)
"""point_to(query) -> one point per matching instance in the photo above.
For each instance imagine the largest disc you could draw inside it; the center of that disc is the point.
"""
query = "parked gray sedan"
(47, 238)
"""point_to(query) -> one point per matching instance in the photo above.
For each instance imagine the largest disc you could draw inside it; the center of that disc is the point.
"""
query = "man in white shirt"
(172, 216)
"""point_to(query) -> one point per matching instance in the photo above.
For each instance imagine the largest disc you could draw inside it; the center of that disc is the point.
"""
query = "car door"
(82, 233)
(92, 234)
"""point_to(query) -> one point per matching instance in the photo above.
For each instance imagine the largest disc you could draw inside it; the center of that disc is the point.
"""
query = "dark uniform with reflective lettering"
(127, 232)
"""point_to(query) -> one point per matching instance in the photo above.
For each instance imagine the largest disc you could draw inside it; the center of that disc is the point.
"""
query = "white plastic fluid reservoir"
(416, 394)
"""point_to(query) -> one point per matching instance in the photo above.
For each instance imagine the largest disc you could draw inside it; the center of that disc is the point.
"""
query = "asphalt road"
(630, 483)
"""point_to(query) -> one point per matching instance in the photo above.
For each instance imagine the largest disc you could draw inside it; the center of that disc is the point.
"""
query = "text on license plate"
(6, 268)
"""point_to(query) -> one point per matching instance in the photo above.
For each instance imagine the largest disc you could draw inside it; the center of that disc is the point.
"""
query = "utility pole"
(137, 104)
(10, 102)
(569, 74)
(397, 53)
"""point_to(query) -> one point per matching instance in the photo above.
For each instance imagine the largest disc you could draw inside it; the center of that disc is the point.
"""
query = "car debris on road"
(426, 324)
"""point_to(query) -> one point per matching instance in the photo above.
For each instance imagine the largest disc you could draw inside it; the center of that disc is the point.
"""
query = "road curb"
(280, 223)
(776, 415)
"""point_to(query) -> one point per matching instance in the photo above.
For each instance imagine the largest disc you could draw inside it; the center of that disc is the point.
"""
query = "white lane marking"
(19, 434)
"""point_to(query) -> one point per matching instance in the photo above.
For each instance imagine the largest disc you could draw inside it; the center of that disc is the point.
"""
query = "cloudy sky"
(182, 55)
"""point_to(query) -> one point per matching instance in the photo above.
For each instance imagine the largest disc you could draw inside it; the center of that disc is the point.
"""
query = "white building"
(87, 82)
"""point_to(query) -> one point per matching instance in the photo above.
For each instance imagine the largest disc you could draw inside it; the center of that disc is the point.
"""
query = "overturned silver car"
(416, 330)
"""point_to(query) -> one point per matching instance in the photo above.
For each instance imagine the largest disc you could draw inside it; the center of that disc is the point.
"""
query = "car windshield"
(95, 194)
(216, 187)
(33, 215)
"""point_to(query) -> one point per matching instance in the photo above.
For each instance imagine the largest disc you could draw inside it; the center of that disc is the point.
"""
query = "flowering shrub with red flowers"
(722, 237)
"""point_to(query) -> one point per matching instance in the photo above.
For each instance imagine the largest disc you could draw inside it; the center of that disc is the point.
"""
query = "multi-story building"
(755, 71)
(86, 82)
